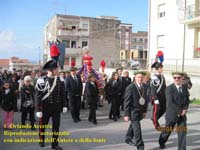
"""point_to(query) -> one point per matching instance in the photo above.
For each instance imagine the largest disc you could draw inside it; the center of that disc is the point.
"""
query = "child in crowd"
(8, 98)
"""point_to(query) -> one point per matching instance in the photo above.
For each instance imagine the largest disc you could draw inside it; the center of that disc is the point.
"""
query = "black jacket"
(113, 90)
(91, 92)
(7, 100)
(57, 97)
(155, 83)
(126, 82)
(72, 87)
(176, 102)
(27, 94)
(132, 107)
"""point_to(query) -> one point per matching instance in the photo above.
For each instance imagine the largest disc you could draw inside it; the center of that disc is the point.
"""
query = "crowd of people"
(66, 90)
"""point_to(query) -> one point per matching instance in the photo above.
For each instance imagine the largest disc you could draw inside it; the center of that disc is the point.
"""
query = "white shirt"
(178, 86)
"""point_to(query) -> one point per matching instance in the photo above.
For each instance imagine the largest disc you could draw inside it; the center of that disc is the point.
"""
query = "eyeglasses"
(177, 78)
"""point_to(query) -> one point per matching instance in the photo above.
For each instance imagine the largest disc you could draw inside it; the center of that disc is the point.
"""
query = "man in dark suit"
(135, 106)
(177, 97)
(92, 93)
(120, 87)
(74, 88)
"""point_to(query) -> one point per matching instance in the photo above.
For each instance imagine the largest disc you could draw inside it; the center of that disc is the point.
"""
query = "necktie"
(75, 78)
(180, 89)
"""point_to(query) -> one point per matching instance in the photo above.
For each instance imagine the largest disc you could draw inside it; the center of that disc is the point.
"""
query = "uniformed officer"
(158, 87)
(74, 88)
(177, 96)
(135, 106)
(51, 100)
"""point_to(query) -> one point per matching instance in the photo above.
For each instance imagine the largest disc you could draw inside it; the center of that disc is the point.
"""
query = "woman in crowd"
(112, 94)
(27, 101)
(8, 98)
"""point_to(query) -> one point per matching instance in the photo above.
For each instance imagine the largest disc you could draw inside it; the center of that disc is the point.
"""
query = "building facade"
(137, 48)
(99, 35)
(174, 28)
(15, 63)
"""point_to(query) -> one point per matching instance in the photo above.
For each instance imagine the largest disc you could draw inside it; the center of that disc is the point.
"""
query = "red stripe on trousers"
(154, 115)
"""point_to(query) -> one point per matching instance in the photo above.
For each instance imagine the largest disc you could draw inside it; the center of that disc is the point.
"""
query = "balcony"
(74, 51)
(69, 32)
(189, 15)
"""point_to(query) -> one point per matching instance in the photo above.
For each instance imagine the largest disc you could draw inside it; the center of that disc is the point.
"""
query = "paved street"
(107, 135)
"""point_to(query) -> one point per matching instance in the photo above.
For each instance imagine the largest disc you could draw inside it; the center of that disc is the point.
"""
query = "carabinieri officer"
(51, 101)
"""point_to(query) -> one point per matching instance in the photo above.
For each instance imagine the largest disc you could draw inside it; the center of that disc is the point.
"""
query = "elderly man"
(177, 97)
(135, 106)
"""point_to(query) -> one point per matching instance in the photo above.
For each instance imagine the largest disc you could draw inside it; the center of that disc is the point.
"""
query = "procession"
(49, 92)
(100, 75)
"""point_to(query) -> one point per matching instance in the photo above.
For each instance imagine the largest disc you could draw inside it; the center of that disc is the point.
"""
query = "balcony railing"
(62, 32)
(189, 14)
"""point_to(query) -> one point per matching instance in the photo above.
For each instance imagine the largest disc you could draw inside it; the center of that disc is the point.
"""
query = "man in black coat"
(177, 97)
(121, 90)
(135, 106)
(74, 88)
(91, 93)
(51, 101)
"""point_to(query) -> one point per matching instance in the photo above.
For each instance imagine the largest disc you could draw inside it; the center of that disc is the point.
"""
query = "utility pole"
(184, 33)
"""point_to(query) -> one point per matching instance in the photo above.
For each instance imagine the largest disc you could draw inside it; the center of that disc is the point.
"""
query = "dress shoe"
(56, 147)
(79, 119)
(111, 118)
(95, 122)
(114, 119)
(130, 142)
(75, 121)
(89, 119)
(41, 144)
(162, 145)
(33, 128)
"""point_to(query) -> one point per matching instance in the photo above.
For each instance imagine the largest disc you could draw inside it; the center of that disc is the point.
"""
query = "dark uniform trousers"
(137, 134)
(130, 134)
(159, 110)
(75, 106)
(51, 110)
(181, 130)
(114, 111)
(92, 113)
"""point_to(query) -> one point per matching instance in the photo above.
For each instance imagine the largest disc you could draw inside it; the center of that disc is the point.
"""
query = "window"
(85, 27)
(73, 27)
(134, 40)
(132, 55)
(141, 40)
(140, 47)
(134, 47)
(160, 41)
(161, 11)
(66, 42)
(73, 44)
(145, 40)
(84, 44)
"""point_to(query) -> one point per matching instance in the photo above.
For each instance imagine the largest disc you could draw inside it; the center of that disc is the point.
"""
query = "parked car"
(133, 64)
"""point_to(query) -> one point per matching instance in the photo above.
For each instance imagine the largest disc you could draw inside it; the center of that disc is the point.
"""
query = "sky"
(22, 21)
